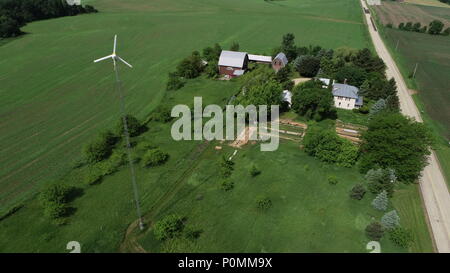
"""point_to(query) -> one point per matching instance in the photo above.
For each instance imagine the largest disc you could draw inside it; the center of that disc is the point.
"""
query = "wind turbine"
(114, 56)
(115, 60)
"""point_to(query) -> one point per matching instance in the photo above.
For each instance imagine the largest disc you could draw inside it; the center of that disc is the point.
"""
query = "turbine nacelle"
(113, 56)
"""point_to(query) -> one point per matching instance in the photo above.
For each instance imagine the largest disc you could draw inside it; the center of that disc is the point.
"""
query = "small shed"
(232, 63)
(279, 61)
(260, 59)
(286, 96)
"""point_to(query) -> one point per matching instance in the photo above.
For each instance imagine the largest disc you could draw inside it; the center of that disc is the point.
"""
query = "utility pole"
(396, 46)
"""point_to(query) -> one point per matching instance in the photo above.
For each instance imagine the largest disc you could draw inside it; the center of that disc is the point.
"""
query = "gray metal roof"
(260, 58)
(345, 90)
(232, 58)
(282, 57)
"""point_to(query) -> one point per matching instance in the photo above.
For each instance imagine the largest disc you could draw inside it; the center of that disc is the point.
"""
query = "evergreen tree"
(377, 107)
(288, 46)
(357, 192)
(381, 202)
(374, 231)
(390, 220)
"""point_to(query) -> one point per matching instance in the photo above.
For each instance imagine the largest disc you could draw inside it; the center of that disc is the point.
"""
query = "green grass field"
(308, 214)
(53, 99)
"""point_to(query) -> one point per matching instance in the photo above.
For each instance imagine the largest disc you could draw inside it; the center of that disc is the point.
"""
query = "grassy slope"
(104, 211)
(53, 99)
(308, 214)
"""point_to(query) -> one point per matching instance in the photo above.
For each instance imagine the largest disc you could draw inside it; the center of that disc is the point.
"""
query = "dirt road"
(432, 184)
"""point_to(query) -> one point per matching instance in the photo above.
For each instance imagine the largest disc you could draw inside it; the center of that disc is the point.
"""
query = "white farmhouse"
(346, 96)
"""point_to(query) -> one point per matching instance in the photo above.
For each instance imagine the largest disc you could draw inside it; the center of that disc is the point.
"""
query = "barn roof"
(345, 90)
(260, 58)
(232, 58)
(282, 58)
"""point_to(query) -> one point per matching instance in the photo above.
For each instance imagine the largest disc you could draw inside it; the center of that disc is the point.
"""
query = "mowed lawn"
(308, 213)
(53, 99)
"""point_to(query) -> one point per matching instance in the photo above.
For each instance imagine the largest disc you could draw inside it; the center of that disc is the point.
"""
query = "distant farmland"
(432, 54)
(53, 99)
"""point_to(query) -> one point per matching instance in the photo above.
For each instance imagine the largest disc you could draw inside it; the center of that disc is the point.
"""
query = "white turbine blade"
(104, 58)
(123, 61)
(115, 44)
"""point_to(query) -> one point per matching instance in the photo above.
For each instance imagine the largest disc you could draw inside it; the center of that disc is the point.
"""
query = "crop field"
(53, 99)
(432, 3)
(396, 13)
(432, 82)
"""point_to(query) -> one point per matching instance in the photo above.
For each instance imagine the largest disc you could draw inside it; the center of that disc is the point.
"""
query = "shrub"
(154, 157)
(401, 237)
(211, 69)
(168, 227)
(332, 180)
(374, 231)
(133, 124)
(100, 148)
(174, 82)
(55, 210)
(93, 175)
(55, 193)
(357, 192)
(390, 220)
(161, 114)
(348, 154)
(254, 171)
(226, 167)
(379, 180)
(190, 67)
(227, 185)
(53, 199)
(264, 203)
(381, 201)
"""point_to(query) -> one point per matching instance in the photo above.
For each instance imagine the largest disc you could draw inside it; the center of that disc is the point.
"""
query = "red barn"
(232, 63)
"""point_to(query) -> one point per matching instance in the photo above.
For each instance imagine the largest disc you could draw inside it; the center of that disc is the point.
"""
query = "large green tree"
(312, 101)
(395, 141)
(435, 27)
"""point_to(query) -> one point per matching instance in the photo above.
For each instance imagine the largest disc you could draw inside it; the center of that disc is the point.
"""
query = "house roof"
(325, 81)
(345, 90)
(260, 58)
(232, 58)
(282, 58)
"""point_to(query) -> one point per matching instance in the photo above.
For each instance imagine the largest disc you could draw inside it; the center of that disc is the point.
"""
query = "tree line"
(436, 27)
(15, 14)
